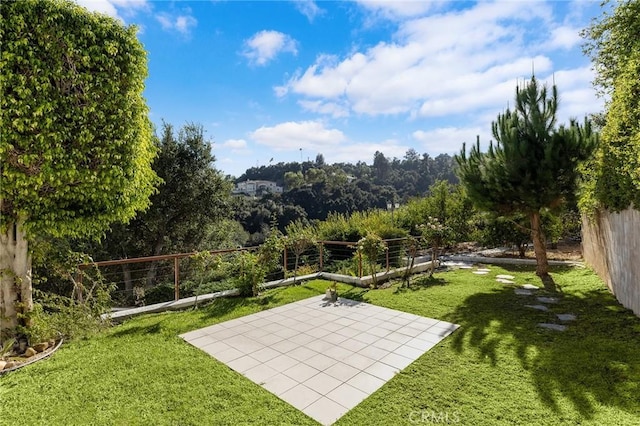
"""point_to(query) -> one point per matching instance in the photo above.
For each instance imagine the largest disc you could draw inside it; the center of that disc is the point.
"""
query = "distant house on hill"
(256, 187)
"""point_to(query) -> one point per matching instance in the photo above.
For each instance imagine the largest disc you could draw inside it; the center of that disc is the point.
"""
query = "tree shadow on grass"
(595, 361)
(207, 313)
(354, 293)
(154, 328)
(422, 282)
(547, 282)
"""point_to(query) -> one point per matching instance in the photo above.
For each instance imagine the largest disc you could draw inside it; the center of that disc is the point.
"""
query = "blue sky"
(284, 81)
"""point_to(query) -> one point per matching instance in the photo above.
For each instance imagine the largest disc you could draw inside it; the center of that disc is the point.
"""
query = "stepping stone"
(505, 281)
(530, 287)
(465, 267)
(538, 307)
(547, 300)
(481, 272)
(484, 270)
(505, 277)
(556, 327)
(523, 292)
(566, 317)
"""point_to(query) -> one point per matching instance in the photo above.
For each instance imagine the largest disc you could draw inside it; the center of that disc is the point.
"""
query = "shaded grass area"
(498, 368)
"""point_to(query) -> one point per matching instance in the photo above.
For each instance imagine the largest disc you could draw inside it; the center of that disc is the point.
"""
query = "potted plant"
(332, 292)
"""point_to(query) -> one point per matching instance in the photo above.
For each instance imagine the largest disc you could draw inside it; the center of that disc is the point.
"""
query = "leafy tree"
(381, 167)
(224, 234)
(192, 198)
(76, 146)
(293, 180)
(613, 42)
(412, 246)
(203, 261)
(495, 230)
(299, 238)
(532, 166)
(371, 247)
(249, 269)
(315, 175)
(437, 235)
(446, 202)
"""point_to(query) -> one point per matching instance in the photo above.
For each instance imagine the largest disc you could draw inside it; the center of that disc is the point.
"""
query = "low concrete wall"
(173, 305)
(508, 260)
(611, 246)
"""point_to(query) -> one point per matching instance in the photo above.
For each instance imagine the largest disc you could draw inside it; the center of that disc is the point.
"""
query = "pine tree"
(532, 166)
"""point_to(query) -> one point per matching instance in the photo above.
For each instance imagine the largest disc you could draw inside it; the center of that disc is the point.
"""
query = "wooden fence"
(611, 246)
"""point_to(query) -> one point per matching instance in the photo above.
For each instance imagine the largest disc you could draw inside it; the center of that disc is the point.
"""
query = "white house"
(253, 187)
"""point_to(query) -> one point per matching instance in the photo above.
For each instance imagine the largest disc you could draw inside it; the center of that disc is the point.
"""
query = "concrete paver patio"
(323, 358)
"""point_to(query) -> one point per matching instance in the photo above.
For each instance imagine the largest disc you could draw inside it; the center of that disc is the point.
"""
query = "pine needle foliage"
(533, 163)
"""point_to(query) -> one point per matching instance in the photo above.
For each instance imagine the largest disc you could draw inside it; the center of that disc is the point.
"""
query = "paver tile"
(279, 384)
(341, 371)
(347, 395)
(322, 358)
(381, 370)
(320, 362)
(300, 396)
(366, 382)
(301, 372)
(322, 383)
(325, 411)
(281, 363)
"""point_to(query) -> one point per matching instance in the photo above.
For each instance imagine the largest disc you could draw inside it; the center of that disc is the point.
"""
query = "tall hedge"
(613, 42)
(75, 141)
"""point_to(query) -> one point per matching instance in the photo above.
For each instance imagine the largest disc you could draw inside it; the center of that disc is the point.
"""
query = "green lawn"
(498, 368)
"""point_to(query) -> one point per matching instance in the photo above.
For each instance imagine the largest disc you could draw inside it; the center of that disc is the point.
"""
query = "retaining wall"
(611, 246)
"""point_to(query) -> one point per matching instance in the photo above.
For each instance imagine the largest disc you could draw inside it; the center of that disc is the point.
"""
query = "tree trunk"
(15, 277)
(522, 250)
(407, 273)
(434, 257)
(542, 266)
(153, 269)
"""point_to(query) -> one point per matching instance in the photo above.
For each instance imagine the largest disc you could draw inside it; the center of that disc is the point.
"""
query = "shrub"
(57, 316)
(371, 248)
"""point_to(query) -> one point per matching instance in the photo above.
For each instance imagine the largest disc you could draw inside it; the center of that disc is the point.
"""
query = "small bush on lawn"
(55, 316)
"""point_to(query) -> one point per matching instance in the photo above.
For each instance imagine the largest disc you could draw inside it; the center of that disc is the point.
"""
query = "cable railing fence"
(148, 280)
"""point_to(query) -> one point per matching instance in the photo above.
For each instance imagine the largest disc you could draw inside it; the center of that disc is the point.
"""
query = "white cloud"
(292, 135)
(115, 7)
(449, 140)
(564, 37)
(315, 137)
(364, 151)
(333, 109)
(265, 45)
(181, 22)
(577, 97)
(391, 9)
(235, 144)
(308, 8)
(457, 62)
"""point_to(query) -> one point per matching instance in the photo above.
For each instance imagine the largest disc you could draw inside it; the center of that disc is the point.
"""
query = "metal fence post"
(321, 250)
(284, 262)
(176, 277)
(387, 255)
